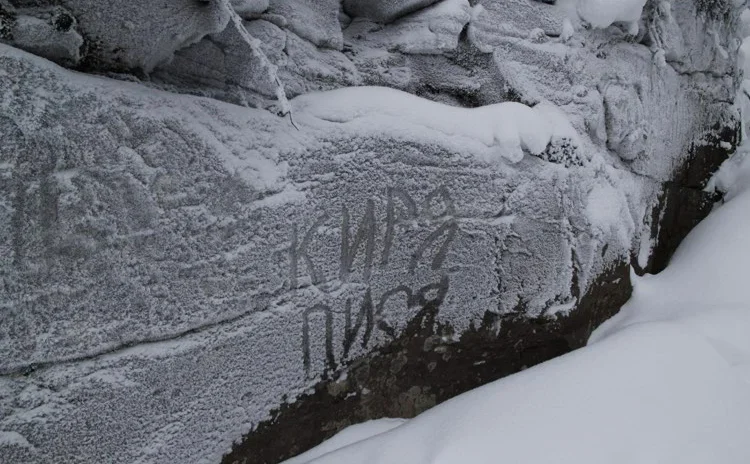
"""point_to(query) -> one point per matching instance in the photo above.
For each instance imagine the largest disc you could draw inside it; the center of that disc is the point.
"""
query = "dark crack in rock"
(684, 203)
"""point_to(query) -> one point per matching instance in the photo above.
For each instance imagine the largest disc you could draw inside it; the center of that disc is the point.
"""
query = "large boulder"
(54, 37)
(225, 66)
(120, 35)
(314, 20)
(384, 11)
(177, 272)
(250, 8)
(434, 30)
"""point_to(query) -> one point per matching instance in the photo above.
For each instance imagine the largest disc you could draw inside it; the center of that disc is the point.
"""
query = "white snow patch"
(561, 309)
(653, 393)
(510, 128)
(645, 249)
(14, 439)
(568, 30)
(733, 176)
(607, 210)
(604, 13)
(346, 437)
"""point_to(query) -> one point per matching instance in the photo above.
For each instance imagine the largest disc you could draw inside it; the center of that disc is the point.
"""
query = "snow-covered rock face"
(316, 21)
(250, 8)
(173, 268)
(120, 35)
(604, 13)
(384, 11)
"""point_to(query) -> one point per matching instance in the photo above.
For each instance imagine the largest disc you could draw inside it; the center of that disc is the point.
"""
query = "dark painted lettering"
(448, 229)
(440, 196)
(298, 251)
(359, 240)
(392, 218)
(326, 311)
(365, 315)
(382, 323)
(365, 236)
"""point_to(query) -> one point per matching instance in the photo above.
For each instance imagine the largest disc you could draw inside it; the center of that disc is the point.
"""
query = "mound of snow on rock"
(348, 436)
(510, 127)
(603, 13)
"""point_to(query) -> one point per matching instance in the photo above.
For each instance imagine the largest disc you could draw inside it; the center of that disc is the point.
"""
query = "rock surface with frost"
(179, 266)
(120, 35)
(384, 11)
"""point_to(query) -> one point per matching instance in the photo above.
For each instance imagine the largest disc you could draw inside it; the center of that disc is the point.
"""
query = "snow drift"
(509, 128)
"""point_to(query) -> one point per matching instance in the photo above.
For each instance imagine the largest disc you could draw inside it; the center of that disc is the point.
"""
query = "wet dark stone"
(64, 22)
(426, 366)
(683, 203)
(7, 18)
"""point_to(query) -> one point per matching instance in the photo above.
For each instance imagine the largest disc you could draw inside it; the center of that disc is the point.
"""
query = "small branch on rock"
(266, 66)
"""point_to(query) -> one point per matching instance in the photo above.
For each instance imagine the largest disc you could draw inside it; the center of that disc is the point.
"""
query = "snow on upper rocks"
(313, 20)
(604, 13)
(44, 38)
(249, 8)
(384, 11)
(507, 128)
(145, 34)
(431, 31)
(502, 18)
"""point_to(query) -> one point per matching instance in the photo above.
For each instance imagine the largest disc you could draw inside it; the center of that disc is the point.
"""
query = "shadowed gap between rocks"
(683, 203)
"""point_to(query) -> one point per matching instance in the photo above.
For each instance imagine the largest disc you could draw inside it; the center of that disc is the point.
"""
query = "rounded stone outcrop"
(384, 11)
(122, 36)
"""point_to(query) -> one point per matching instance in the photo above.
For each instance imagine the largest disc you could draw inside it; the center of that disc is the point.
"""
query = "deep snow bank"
(603, 13)
(651, 393)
